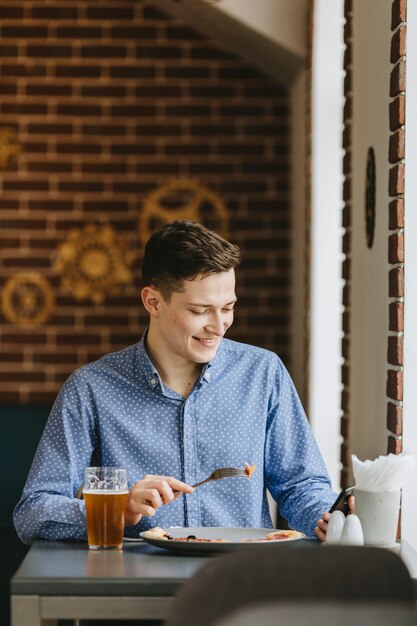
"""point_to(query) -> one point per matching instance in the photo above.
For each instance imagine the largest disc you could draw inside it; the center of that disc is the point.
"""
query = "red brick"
(345, 455)
(26, 108)
(397, 79)
(398, 44)
(346, 322)
(347, 190)
(397, 146)
(23, 377)
(22, 69)
(75, 71)
(396, 180)
(347, 165)
(347, 108)
(396, 316)
(395, 446)
(347, 136)
(344, 427)
(395, 350)
(79, 32)
(398, 13)
(347, 57)
(345, 348)
(346, 242)
(52, 12)
(395, 418)
(396, 213)
(26, 185)
(10, 11)
(24, 31)
(100, 51)
(48, 90)
(347, 215)
(111, 12)
(347, 30)
(346, 267)
(395, 384)
(137, 32)
(397, 113)
(396, 248)
(48, 51)
(396, 283)
(346, 295)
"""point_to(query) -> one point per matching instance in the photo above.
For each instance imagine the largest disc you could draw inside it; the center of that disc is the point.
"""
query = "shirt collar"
(151, 373)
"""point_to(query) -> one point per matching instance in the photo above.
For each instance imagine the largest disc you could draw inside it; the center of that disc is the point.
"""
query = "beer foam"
(105, 492)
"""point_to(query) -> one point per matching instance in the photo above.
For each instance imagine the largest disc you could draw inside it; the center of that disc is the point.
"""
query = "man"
(174, 407)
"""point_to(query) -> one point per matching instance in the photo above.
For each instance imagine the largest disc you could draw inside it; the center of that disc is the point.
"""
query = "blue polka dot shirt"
(117, 412)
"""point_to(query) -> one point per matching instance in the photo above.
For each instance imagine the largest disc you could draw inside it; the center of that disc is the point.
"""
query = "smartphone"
(341, 504)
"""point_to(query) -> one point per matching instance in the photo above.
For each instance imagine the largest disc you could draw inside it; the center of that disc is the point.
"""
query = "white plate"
(235, 539)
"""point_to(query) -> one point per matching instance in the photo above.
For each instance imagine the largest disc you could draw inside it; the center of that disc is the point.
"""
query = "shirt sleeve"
(296, 475)
(47, 508)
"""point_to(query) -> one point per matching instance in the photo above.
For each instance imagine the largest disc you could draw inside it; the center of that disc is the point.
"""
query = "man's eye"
(229, 310)
(197, 312)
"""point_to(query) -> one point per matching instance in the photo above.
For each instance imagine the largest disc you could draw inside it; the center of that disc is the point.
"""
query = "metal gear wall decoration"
(183, 199)
(93, 263)
(27, 299)
(10, 147)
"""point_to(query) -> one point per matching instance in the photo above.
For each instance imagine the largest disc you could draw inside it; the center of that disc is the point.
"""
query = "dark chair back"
(291, 574)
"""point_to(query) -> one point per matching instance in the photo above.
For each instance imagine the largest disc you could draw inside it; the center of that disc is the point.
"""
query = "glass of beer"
(105, 493)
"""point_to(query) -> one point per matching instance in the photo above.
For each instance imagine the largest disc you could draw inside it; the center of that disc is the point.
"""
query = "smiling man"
(177, 405)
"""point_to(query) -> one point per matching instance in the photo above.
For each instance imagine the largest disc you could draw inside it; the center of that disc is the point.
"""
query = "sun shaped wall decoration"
(27, 299)
(182, 199)
(94, 263)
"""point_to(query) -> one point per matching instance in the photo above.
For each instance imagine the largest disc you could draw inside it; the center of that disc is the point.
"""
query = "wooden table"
(59, 580)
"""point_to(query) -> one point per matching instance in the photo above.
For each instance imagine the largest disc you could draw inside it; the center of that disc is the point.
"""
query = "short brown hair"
(181, 250)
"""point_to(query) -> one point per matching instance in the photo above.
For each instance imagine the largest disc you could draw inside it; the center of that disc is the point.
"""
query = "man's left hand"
(321, 528)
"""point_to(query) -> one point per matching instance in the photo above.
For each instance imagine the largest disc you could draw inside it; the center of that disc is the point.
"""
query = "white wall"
(326, 253)
(369, 296)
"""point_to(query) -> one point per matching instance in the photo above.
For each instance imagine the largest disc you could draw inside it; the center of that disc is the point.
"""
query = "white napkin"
(386, 473)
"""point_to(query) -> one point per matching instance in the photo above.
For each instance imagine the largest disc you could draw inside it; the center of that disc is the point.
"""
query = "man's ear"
(151, 298)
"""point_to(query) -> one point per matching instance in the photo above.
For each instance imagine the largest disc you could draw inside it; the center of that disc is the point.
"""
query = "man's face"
(192, 323)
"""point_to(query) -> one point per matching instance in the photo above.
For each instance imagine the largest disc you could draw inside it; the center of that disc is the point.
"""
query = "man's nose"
(217, 323)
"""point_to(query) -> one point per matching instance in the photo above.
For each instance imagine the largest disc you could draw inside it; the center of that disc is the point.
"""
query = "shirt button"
(153, 381)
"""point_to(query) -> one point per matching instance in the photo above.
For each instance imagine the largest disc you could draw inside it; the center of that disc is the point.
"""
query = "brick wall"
(396, 229)
(108, 101)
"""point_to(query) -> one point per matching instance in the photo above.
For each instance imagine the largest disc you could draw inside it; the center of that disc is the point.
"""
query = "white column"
(326, 284)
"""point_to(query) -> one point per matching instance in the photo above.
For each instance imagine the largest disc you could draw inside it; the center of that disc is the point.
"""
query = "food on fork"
(249, 469)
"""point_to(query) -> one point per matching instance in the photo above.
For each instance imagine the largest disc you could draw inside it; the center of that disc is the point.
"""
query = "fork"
(224, 472)
(218, 474)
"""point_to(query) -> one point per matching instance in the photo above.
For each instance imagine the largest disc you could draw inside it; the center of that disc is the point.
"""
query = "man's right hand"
(151, 492)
